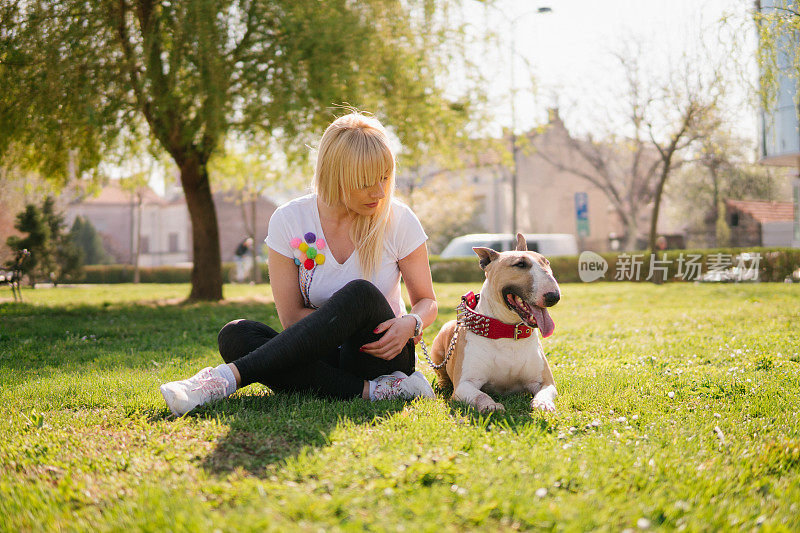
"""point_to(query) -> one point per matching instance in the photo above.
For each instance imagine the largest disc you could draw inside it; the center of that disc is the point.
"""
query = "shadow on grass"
(129, 334)
(269, 428)
(518, 414)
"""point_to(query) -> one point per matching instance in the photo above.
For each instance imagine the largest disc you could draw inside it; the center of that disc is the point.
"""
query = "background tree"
(53, 254)
(62, 260)
(80, 76)
(689, 104)
(250, 170)
(663, 118)
(88, 241)
(35, 238)
(446, 210)
(722, 169)
(778, 52)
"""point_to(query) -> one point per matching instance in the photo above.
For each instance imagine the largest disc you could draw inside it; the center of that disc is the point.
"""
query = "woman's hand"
(398, 331)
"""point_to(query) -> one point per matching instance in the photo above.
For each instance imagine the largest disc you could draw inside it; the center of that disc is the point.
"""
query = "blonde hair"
(354, 152)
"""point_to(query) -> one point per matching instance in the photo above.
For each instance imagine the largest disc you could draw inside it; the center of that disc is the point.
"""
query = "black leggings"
(319, 353)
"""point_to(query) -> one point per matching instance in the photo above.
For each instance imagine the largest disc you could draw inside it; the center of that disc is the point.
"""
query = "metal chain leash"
(460, 312)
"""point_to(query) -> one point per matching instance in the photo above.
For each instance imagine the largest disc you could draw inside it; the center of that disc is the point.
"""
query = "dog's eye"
(520, 264)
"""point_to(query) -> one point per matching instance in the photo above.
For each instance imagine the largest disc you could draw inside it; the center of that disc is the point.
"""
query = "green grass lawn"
(677, 408)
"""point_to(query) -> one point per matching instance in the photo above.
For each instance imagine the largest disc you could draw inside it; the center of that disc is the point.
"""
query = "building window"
(144, 245)
(173, 243)
(734, 219)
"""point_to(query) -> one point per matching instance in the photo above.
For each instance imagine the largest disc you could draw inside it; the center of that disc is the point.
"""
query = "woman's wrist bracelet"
(418, 320)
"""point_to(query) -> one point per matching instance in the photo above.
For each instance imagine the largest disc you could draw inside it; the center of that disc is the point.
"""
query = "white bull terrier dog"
(488, 349)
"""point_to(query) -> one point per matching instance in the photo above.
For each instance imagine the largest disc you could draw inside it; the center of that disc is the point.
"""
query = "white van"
(547, 244)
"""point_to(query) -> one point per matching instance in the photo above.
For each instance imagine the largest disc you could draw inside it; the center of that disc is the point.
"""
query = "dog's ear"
(522, 246)
(486, 255)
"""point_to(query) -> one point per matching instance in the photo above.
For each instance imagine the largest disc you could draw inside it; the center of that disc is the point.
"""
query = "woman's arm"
(283, 278)
(416, 273)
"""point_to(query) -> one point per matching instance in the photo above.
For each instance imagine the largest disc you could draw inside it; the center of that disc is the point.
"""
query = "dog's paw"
(492, 407)
(545, 405)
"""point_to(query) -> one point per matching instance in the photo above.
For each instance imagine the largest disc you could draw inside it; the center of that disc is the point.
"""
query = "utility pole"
(514, 148)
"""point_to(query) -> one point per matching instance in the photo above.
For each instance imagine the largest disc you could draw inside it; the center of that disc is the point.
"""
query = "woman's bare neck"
(335, 215)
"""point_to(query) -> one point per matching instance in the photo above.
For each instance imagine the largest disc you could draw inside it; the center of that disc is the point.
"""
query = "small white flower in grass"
(541, 493)
(388, 491)
(643, 523)
(622, 420)
(671, 394)
(458, 490)
(717, 415)
(635, 417)
(682, 505)
(596, 422)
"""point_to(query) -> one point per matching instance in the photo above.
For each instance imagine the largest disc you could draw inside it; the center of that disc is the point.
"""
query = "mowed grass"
(677, 409)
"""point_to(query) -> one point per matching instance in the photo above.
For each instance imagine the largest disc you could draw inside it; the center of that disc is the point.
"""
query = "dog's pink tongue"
(543, 320)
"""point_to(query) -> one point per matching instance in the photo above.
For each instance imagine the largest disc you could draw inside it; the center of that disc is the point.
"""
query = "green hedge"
(775, 265)
(163, 274)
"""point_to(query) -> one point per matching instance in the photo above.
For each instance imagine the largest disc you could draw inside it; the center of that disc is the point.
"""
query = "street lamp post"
(514, 149)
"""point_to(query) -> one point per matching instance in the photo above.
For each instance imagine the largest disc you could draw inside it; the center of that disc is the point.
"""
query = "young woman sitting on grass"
(344, 337)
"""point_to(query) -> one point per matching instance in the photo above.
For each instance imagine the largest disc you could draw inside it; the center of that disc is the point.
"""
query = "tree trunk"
(631, 234)
(254, 249)
(651, 241)
(207, 267)
(138, 240)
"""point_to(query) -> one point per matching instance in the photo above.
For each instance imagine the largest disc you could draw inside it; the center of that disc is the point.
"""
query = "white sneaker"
(399, 385)
(205, 386)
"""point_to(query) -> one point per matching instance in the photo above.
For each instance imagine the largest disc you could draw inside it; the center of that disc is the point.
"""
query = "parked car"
(547, 244)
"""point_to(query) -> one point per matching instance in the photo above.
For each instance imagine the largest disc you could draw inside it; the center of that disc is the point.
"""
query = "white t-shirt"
(296, 219)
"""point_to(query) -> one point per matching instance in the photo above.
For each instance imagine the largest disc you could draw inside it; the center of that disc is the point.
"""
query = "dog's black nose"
(551, 299)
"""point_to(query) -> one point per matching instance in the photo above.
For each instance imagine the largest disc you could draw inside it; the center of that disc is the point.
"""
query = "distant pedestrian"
(243, 259)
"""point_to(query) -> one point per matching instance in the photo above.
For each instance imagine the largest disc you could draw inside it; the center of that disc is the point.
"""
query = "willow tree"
(79, 76)
(778, 52)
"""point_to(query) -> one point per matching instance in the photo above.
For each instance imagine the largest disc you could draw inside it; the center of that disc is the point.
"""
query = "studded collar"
(486, 326)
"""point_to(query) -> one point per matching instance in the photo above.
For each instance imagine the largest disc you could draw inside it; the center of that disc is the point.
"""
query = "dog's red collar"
(486, 326)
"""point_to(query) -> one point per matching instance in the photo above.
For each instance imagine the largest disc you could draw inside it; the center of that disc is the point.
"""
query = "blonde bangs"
(354, 153)
(367, 162)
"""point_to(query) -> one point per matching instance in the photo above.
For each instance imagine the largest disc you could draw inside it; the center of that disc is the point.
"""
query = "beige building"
(163, 225)
(547, 196)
